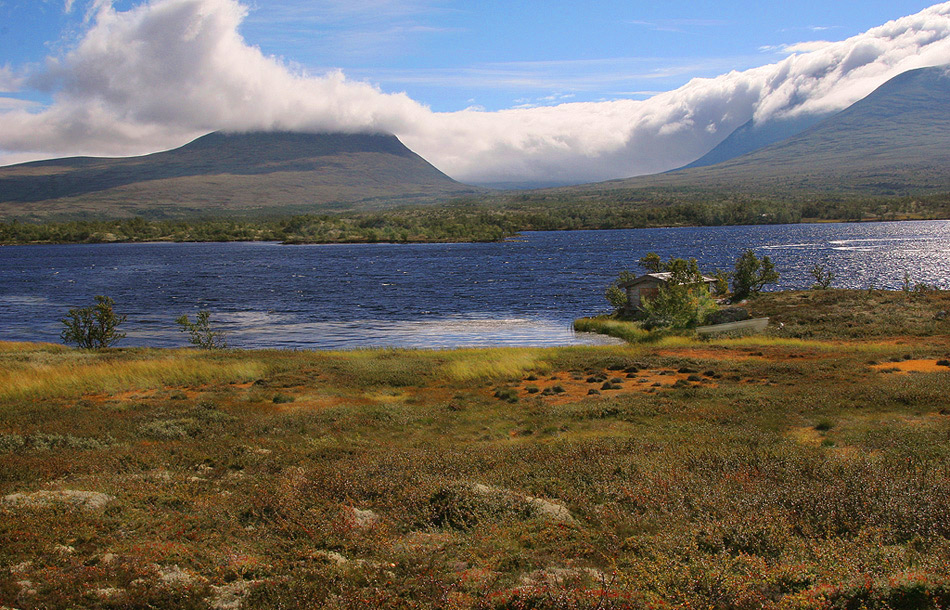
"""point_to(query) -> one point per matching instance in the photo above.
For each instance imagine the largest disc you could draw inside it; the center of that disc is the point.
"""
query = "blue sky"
(518, 90)
(499, 54)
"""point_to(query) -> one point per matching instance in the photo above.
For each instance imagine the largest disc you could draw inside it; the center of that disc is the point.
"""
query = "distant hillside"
(895, 142)
(220, 172)
(752, 136)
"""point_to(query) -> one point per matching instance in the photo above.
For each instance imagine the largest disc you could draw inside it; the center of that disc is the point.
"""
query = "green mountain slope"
(750, 137)
(219, 172)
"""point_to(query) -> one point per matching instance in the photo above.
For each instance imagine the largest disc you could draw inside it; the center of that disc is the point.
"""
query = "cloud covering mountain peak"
(166, 71)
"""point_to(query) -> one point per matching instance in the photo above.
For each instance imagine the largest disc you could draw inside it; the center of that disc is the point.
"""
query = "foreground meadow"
(792, 470)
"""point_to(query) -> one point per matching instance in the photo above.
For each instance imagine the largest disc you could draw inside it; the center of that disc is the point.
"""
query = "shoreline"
(295, 242)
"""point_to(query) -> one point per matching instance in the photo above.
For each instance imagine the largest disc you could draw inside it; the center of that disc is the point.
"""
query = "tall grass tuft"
(630, 332)
(469, 364)
(22, 346)
(67, 378)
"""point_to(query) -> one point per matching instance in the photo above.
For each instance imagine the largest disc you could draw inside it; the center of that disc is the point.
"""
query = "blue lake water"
(525, 291)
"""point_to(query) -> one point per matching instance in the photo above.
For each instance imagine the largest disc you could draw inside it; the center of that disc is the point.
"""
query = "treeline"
(473, 221)
(420, 225)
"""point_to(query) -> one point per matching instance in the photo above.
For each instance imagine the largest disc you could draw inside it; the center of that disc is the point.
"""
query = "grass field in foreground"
(762, 472)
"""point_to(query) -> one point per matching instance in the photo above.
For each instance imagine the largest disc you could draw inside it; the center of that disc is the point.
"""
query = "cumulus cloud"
(163, 72)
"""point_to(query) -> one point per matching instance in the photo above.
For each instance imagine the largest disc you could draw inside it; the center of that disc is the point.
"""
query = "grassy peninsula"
(805, 468)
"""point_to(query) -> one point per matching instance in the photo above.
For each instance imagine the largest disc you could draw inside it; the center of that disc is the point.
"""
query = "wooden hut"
(647, 286)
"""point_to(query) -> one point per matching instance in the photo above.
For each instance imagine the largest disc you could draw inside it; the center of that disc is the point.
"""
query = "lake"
(524, 291)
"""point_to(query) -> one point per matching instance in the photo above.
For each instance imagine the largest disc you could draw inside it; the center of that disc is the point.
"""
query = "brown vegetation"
(764, 472)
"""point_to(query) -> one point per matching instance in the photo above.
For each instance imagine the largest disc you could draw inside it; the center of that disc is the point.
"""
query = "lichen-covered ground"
(760, 472)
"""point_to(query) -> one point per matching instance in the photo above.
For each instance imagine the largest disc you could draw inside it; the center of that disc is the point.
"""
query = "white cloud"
(154, 76)
(12, 103)
(9, 82)
(809, 46)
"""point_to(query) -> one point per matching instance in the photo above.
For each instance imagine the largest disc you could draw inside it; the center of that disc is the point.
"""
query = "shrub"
(652, 263)
(171, 429)
(93, 327)
(722, 282)
(822, 277)
(49, 442)
(509, 394)
(617, 296)
(752, 274)
(200, 333)
(679, 306)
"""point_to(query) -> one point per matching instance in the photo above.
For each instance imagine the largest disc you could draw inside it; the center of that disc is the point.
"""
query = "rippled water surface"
(525, 291)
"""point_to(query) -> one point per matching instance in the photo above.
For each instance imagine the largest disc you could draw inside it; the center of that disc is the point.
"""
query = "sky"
(488, 91)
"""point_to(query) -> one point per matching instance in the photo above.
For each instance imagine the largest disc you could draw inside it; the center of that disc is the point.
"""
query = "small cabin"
(647, 286)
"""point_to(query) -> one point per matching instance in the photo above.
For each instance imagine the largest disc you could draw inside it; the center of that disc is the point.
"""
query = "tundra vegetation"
(490, 219)
(805, 468)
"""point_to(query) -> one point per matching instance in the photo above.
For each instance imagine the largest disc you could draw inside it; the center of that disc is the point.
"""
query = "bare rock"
(84, 500)
(330, 557)
(729, 314)
(547, 510)
(230, 596)
(107, 593)
(361, 517)
(561, 576)
(551, 511)
(174, 576)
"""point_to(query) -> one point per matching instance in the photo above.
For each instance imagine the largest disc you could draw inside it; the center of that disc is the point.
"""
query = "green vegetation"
(683, 302)
(823, 277)
(615, 294)
(807, 468)
(458, 224)
(488, 219)
(752, 274)
(200, 332)
(94, 327)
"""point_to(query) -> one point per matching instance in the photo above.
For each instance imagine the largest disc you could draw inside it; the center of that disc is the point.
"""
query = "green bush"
(752, 274)
(684, 302)
(200, 333)
(93, 327)
(617, 296)
(171, 429)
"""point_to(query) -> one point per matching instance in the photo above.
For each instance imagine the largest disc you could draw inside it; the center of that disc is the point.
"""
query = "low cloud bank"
(166, 71)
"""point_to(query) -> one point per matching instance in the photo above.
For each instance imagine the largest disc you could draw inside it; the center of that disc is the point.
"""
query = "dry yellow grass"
(21, 346)
(469, 364)
(69, 377)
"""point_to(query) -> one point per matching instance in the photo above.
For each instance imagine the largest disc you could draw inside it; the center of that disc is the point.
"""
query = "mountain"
(231, 172)
(894, 142)
(752, 136)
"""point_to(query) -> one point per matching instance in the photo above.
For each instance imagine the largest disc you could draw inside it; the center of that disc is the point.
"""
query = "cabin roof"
(663, 277)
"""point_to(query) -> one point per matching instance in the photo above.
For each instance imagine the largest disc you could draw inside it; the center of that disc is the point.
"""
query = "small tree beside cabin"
(674, 294)
(647, 287)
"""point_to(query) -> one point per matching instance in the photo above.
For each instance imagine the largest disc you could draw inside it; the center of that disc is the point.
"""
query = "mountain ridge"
(895, 141)
(232, 171)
